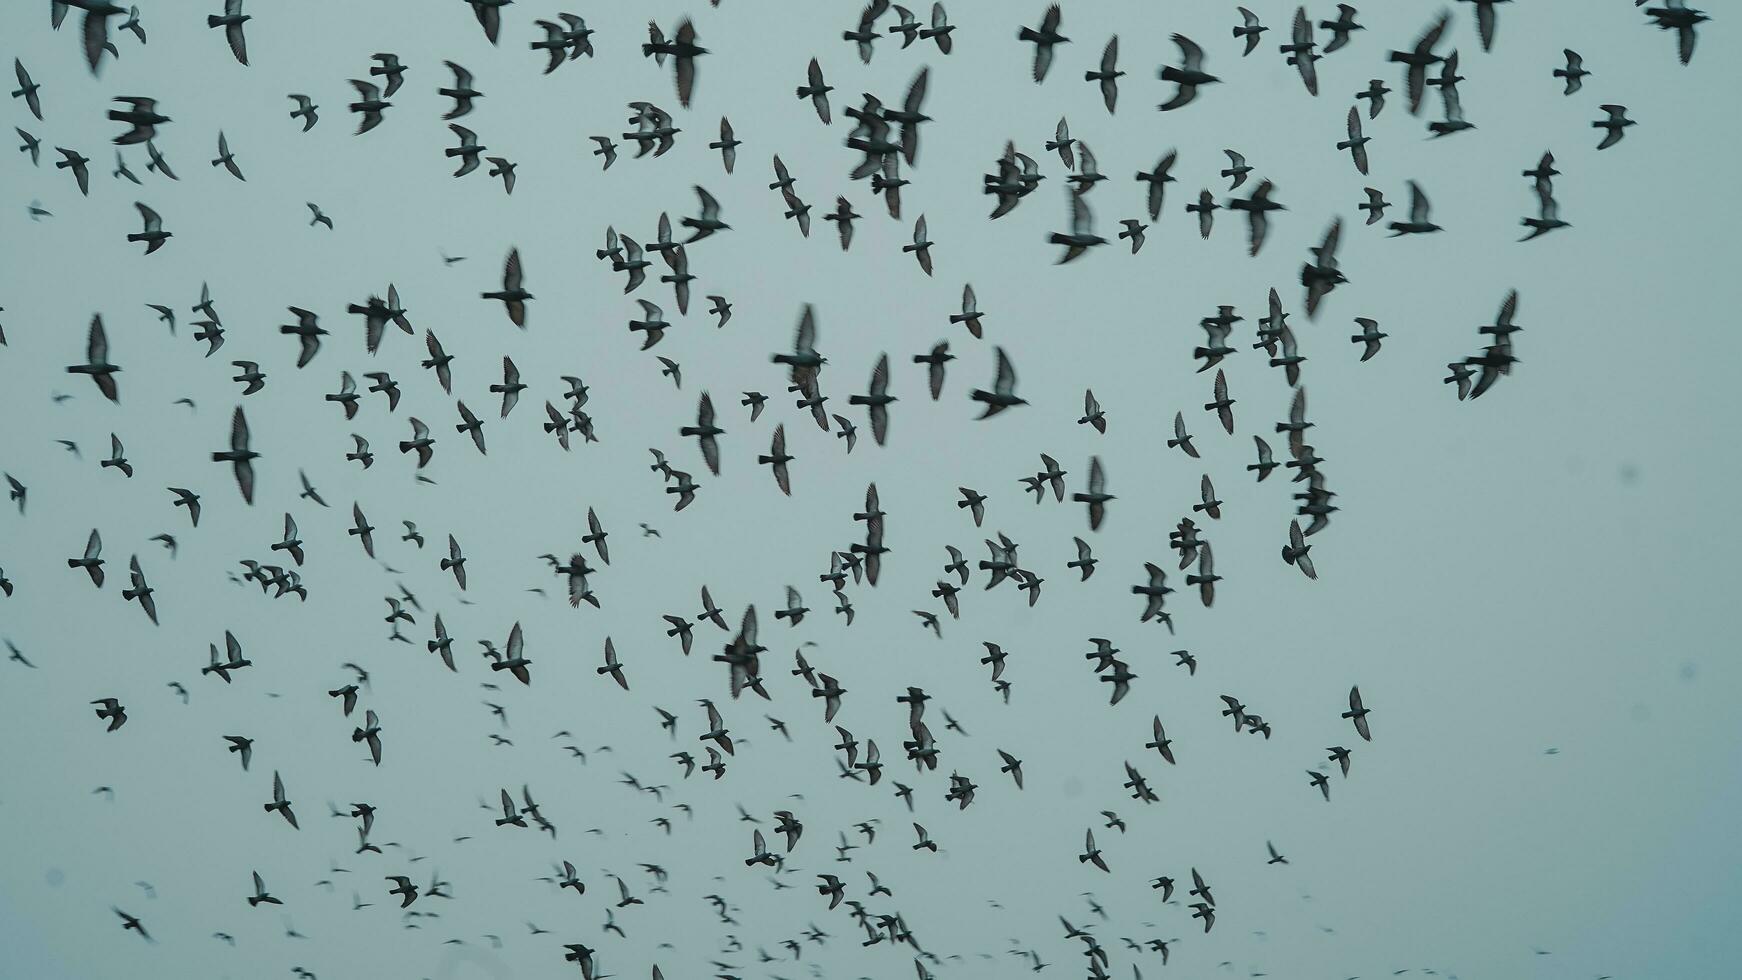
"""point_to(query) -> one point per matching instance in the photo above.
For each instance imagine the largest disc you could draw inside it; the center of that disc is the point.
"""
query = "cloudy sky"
(1530, 588)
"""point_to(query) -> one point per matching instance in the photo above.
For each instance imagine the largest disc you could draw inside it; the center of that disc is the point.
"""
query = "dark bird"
(1370, 336)
(97, 364)
(1092, 413)
(239, 455)
(1107, 75)
(305, 110)
(1358, 714)
(71, 160)
(1189, 76)
(512, 294)
(1181, 439)
(1082, 235)
(727, 145)
(1375, 205)
(112, 711)
(683, 50)
(1044, 38)
(133, 924)
(777, 459)
(1342, 28)
(279, 804)
(1096, 495)
(1300, 50)
(1205, 209)
(1257, 208)
(1003, 393)
(28, 91)
(370, 105)
(1614, 126)
(1574, 73)
(462, 91)
(1375, 94)
(1295, 553)
(1206, 577)
(1417, 59)
(1419, 222)
(231, 21)
(816, 90)
(226, 159)
(1674, 15)
(1356, 144)
(1157, 179)
(1250, 29)
(142, 116)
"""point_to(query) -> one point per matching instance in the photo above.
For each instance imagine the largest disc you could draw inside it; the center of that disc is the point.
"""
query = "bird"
(1574, 73)
(1369, 337)
(1189, 77)
(227, 159)
(512, 294)
(1417, 60)
(1044, 38)
(1614, 125)
(27, 90)
(1419, 221)
(1676, 16)
(280, 804)
(231, 21)
(1250, 29)
(1356, 144)
(305, 110)
(111, 711)
(1107, 75)
(239, 455)
(370, 105)
(817, 91)
(1358, 714)
(73, 161)
(1082, 235)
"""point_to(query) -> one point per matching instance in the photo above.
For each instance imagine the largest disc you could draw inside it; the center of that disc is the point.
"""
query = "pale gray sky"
(1545, 568)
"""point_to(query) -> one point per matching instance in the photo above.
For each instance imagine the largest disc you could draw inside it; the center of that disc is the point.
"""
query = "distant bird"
(1003, 393)
(370, 105)
(239, 455)
(1189, 76)
(1358, 714)
(1574, 73)
(72, 160)
(1356, 144)
(226, 159)
(27, 90)
(1250, 30)
(1370, 336)
(512, 294)
(1417, 60)
(1044, 38)
(1674, 15)
(817, 91)
(1082, 235)
(305, 110)
(683, 50)
(1375, 94)
(1419, 221)
(1342, 28)
(111, 711)
(1614, 125)
(231, 21)
(152, 234)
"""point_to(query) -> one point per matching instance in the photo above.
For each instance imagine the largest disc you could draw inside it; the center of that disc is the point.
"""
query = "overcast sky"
(1531, 589)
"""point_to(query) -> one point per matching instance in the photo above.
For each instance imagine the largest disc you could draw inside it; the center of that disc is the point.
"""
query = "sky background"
(1544, 569)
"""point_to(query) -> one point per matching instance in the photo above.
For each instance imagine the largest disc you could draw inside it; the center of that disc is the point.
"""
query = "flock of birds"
(888, 136)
